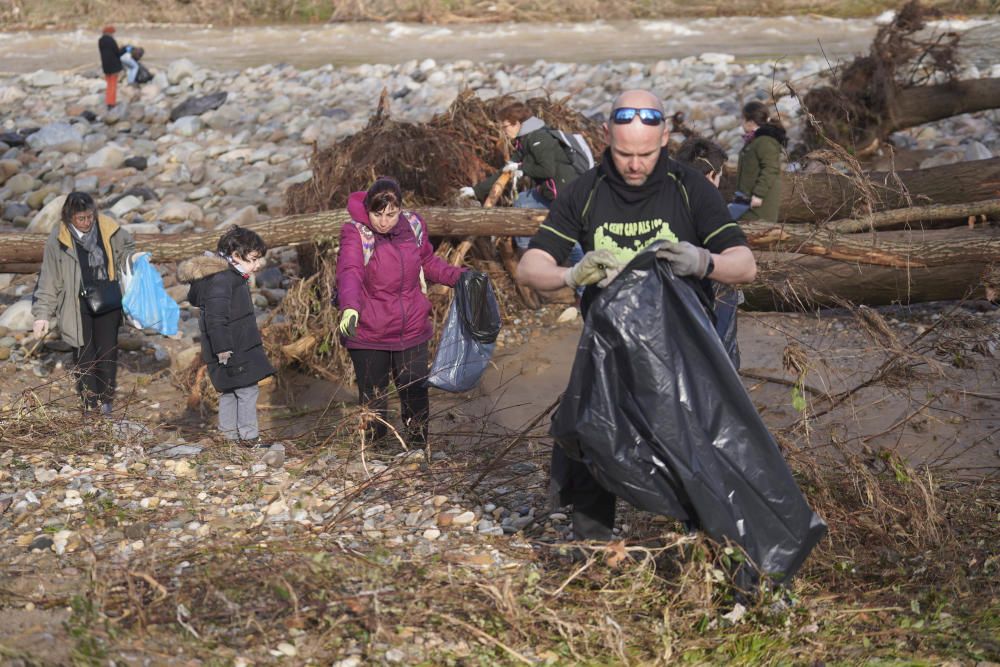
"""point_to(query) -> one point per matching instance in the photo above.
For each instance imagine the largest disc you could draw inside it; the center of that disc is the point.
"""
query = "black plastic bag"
(469, 335)
(143, 75)
(657, 413)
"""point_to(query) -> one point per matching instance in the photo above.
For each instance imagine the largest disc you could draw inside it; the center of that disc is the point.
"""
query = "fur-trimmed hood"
(200, 267)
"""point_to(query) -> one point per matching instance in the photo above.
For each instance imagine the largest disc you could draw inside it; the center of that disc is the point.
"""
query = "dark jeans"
(97, 361)
(407, 369)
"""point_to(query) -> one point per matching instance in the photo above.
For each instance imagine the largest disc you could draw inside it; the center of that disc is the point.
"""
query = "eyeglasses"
(625, 115)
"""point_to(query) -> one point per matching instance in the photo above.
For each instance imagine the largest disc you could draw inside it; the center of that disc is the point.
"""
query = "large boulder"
(57, 137)
(46, 219)
(195, 106)
(18, 316)
(18, 184)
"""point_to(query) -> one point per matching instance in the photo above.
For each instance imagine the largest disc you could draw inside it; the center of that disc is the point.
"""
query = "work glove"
(592, 269)
(40, 328)
(467, 191)
(756, 202)
(223, 357)
(349, 322)
(685, 258)
(512, 166)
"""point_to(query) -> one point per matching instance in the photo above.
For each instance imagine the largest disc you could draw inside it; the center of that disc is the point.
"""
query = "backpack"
(576, 148)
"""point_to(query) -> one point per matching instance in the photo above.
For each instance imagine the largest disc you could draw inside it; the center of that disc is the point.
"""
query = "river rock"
(111, 156)
(125, 205)
(195, 106)
(18, 316)
(13, 209)
(243, 217)
(136, 162)
(187, 126)
(36, 199)
(20, 183)
(974, 150)
(9, 96)
(251, 182)
(62, 137)
(9, 167)
(174, 211)
(43, 78)
(46, 219)
(180, 69)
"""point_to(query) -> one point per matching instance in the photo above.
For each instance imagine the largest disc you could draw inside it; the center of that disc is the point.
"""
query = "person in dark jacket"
(385, 323)
(708, 158)
(111, 63)
(85, 251)
(231, 345)
(758, 175)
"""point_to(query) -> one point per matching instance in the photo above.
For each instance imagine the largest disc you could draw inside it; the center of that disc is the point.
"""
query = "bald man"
(637, 196)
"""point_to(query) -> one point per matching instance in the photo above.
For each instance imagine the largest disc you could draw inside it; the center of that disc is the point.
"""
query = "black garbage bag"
(469, 335)
(657, 413)
(143, 75)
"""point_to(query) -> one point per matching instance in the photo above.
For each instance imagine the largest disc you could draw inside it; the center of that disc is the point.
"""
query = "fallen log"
(819, 197)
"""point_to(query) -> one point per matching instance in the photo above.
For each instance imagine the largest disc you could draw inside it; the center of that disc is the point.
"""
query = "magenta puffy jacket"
(394, 314)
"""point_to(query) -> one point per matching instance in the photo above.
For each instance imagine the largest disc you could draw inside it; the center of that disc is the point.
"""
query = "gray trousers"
(238, 413)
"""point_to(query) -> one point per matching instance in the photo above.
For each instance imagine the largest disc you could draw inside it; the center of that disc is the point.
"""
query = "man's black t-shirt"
(601, 211)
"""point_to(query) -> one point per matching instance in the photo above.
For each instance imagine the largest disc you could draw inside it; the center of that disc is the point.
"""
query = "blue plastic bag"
(145, 300)
(469, 335)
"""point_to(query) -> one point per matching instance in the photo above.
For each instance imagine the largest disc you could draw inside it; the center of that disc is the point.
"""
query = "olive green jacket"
(759, 174)
(543, 159)
(57, 294)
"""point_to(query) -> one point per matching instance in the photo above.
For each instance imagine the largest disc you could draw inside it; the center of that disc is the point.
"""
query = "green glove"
(592, 269)
(349, 322)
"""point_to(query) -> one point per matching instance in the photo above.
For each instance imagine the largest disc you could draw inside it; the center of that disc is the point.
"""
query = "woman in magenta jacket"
(385, 257)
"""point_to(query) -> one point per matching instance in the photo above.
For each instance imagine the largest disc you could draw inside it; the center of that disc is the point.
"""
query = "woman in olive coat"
(758, 174)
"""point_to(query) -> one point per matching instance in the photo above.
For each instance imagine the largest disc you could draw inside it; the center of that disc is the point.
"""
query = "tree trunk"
(821, 197)
(949, 264)
(924, 104)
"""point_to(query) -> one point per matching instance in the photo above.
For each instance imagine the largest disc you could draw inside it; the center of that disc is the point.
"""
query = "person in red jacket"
(111, 63)
(385, 255)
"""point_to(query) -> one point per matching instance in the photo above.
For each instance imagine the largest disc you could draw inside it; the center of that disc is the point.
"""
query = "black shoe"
(254, 443)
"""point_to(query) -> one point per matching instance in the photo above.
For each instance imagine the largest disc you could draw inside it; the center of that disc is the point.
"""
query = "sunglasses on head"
(625, 115)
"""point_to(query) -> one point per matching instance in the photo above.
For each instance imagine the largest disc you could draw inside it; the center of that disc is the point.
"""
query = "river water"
(758, 39)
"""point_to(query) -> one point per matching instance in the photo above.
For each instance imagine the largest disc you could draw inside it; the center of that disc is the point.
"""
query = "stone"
(20, 183)
(110, 156)
(975, 150)
(136, 162)
(13, 209)
(243, 217)
(269, 278)
(176, 211)
(275, 456)
(125, 205)
(43, 78)
(61, 136)
(568, 315)
(178, 70)
(942, 158)
(18, 316)
(463, 519)
(250, 182)
(45, 475)
(141, 228)
(42, 543)
(46, 219)
(188, 126)
(195, 106)
(4, 353)
(137, 530)
(188, 355)
(431, 534)
(37, 198)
